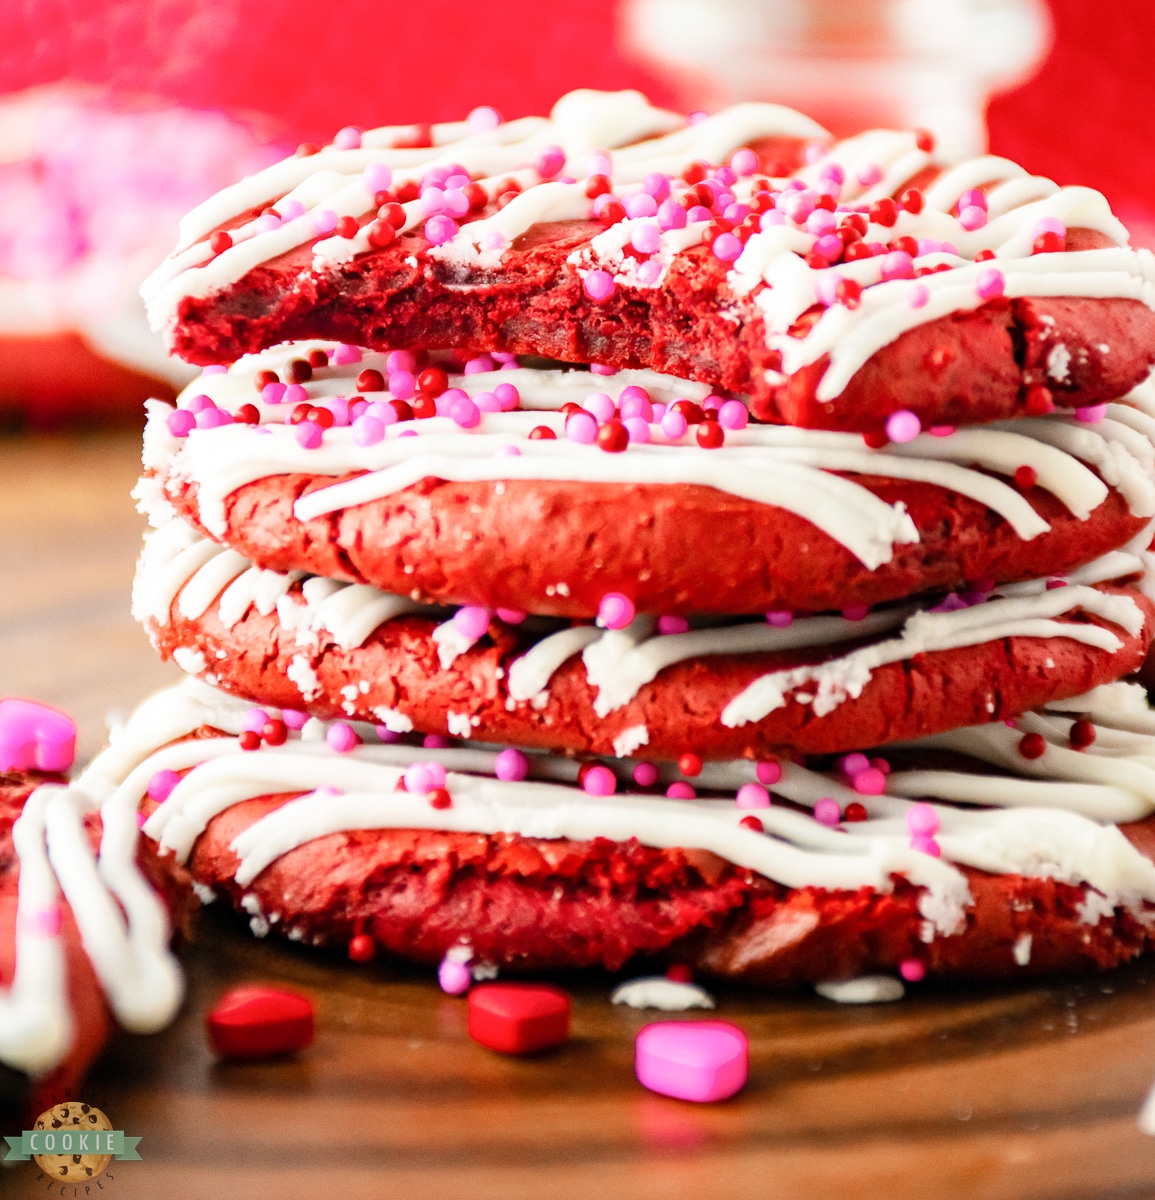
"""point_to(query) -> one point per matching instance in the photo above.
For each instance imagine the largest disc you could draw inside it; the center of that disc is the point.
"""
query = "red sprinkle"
(300, 371)
(381, 234)
(347, 227)
(1039, 401)
(541, 433)
(403, 409)
(611, 213)
(247, 415)
(393, 213)
(598, 185)
(518, 1018)
(408, 191)
(318, 358)
(913, 200)
(274, 732)
(613, 437)
(884, 211)
(370, 380)
(432, 381)
(856, 251)
(263, 378)
(752, 823)
(876, 438)
(906, 244)
(321, 416)
(382, 198)
(984, 256)
(424, 407)
(690, 764)
(695, 172)
(1082, 734)
(440, 798)
(849, 292)
(924, 140)
(1049, 243)
(220, 242)
(307, 150)
(854, 811)
(249, 740)
(1032, 745)
(477, 196)
(260, 1022)
(710, 435)
(679, 973)
(1026, 477)
(362, 948)
(691, 411)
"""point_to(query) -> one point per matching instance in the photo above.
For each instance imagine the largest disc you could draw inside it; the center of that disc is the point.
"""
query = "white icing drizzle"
(1046, 839)
(123, 927)
(830, 683)
(770, 276)
(791, 468)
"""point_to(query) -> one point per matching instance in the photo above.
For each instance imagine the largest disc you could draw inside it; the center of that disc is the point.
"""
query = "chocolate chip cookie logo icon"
(72, 1142)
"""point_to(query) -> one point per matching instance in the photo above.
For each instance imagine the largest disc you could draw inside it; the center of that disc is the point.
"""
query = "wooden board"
(1014, 1092)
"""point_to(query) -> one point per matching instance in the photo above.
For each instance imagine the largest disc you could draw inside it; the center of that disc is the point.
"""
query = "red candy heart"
(260, 1022)
(518, 1018)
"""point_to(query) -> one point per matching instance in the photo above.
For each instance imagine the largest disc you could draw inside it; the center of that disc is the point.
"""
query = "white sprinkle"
(866, 989)
(656, 991)
(1022, 950)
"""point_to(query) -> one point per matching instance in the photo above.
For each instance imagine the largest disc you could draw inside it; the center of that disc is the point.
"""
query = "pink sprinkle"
(698, 214)
(640, 204)
(922, 820)
(851, 764)
(161, 784)
(674, 425)
(779, 619)
(293, 394)
(828, 246)
(471, 621)
(1049, 225)
(480, 364)
(657, 184)
(736, 213)
(387, 735)
(918, 295)
(903, 426)
(324, 221)
(402, 384)
(727, 247)
(400, 360)
(897, 265)
(880, 764)
(454, 977)
(254, 720)
(733, 414)
(769, 772)
(700, 1061)
(511, 766)
(494, 240)
(483, 118)
(972, 199)
(601, 368)
(645, 774)
(439, 230)
(990, 284)
(678, 790)
(434, 741)
(599, 285)
(638, 428)
(550, 162)
(294, 718)
(912, 970)
(820, 221)
(973, 217)
(422, 778)
(486, 402)
(599, 163)
(753, 795)
(926, 845)
(511, 616)
(455, 203)
(1055, 583)
(581, 427)
(856, 612)
(698, 116)
(669, 625)
(266, 223)
(870, 782)
(634, 401)
(600, 405)
(615, 611)
(650, 272)
(1091, 414)
(744, 162)
(378, 177)
(213, 418)
(342, 737)
(181, 422)
(508, 397)
(870, 174)
(215, 369)
(465, 413)
(828, 811)
(309, 434)
(671, 216)
(198, 403)
(348, 138)
(344, 354)
(600, 781)
(770, 218)
(42, 922)
(941, 430)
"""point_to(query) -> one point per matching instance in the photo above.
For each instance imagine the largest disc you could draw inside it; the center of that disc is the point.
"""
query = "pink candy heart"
(34, 737)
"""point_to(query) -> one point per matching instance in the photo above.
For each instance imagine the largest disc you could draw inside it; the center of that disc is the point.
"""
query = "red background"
(1087, 117)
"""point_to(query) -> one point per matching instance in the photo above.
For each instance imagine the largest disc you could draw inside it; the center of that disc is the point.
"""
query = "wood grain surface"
(1012, 1092)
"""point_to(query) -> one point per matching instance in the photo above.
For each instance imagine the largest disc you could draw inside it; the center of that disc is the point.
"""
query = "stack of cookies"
(622, 534)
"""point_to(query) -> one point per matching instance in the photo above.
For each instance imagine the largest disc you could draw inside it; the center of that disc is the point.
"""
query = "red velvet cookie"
(417, 852)
(641, 691)
(558, 547)
(836, 287)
